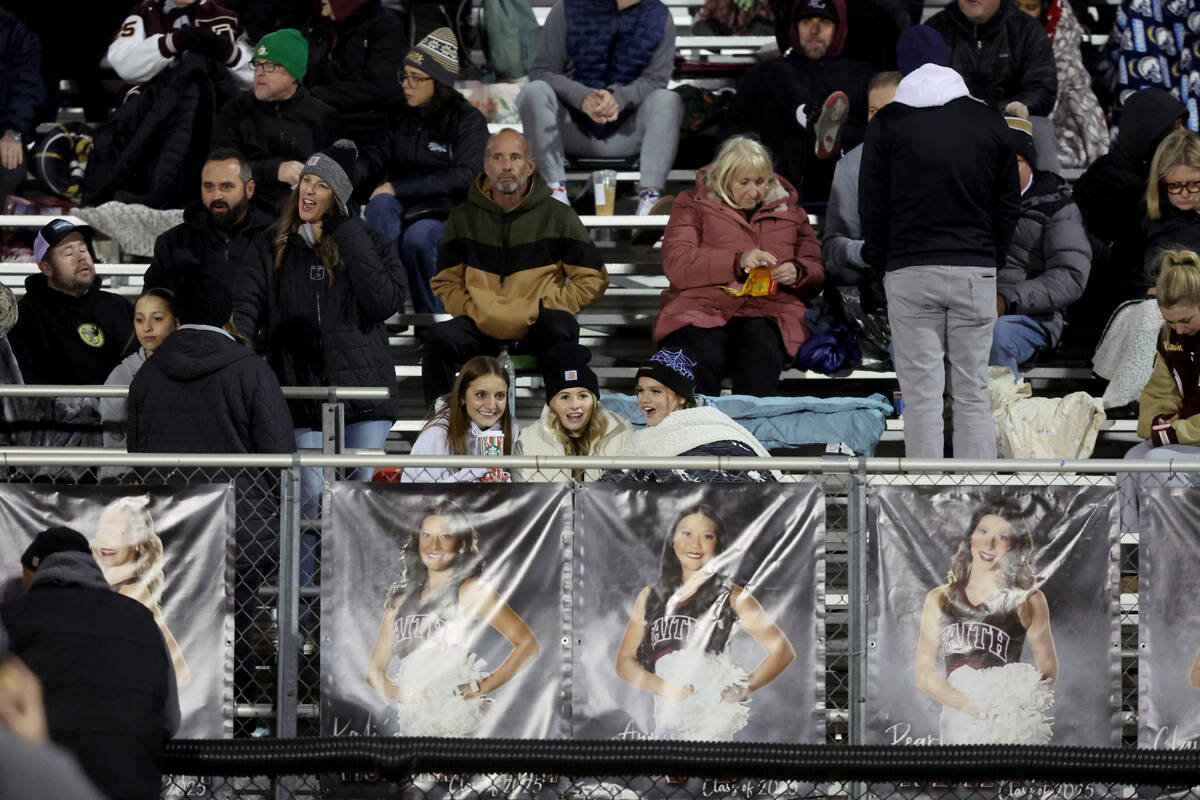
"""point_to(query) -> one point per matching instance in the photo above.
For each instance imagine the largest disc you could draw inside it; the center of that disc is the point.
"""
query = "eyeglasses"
(413, 78)
(266, 66)
(1178, 188)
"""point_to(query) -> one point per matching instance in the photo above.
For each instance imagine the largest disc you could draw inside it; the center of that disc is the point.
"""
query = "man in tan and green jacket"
(514, 268)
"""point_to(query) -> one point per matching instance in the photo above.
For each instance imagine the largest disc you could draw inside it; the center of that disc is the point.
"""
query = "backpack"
(510, 36)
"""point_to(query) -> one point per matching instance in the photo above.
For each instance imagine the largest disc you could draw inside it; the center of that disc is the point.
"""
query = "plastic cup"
(604, 184)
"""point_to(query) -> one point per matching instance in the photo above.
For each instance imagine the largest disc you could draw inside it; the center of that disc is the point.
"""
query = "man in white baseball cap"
(68, 331)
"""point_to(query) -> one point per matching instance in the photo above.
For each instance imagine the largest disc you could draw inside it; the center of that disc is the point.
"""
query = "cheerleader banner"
(697, 613)
(441, 610)
(169, 548)
(993, 616)
(1169, 620)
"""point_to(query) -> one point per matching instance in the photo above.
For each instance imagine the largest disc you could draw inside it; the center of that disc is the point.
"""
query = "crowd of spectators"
(342, 175)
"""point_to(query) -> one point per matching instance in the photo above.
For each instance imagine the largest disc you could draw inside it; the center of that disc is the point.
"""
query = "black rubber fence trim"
(397, 757)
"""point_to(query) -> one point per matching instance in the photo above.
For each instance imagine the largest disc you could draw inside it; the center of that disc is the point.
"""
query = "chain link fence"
(278, 617)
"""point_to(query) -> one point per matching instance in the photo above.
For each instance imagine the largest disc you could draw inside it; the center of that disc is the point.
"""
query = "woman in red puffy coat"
(740, 217)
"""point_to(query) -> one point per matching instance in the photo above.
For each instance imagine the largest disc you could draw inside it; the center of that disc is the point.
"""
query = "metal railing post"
(856, 551)
(333, 432)
(287, 613)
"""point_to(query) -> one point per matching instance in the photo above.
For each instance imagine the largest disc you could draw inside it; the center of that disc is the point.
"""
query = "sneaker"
(647, 200)
(558, 190)
(661, 206)
(827, 134)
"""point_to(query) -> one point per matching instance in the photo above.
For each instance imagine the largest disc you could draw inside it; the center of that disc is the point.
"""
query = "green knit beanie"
(287, 48)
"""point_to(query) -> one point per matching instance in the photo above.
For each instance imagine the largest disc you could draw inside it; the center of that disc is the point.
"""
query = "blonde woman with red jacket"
(740, 217)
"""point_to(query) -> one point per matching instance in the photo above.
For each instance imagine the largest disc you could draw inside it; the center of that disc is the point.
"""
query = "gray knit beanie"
(335, 166)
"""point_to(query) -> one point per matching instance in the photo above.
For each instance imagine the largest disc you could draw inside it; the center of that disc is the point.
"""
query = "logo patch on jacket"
(91, 334)
(434, 147)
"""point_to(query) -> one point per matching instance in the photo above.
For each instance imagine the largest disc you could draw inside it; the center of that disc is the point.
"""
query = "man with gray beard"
(514, 268)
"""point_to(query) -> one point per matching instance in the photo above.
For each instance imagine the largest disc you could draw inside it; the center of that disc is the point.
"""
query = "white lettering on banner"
(631, 733)
(899, 733)
(1007, 790)
(420, 626)
(1167, 738)
(675, 627)
(961, 637)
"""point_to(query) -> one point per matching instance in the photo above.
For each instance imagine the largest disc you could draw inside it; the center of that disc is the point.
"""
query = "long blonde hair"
(1180, 148)
(1178, 278)
(289, 223)
(147, 548)
(739, 154)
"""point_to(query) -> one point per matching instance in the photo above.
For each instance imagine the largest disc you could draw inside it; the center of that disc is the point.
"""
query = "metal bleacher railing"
(284, 703)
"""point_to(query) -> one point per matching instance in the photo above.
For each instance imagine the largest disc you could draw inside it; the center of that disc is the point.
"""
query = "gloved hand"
(202, 41)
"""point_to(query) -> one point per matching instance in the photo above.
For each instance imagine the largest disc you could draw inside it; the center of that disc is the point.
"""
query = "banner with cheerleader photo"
(697, 613)
(993, 616)
(441, 610)
(169, 548)
(1169, 620)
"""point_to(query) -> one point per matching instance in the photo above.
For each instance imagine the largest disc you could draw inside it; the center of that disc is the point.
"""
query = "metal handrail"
(330, 393)
(72, 456)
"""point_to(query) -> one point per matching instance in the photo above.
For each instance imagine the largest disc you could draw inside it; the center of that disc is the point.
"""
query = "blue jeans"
(1014, 341)
(417, 245)
(369, 435)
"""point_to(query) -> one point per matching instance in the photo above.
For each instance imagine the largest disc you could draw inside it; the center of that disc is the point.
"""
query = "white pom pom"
(441, 710)
(702, 715)
(1013, 701)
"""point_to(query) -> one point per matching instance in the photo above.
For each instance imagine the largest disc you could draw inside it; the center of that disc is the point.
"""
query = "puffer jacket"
(1049, 258)
(539, 440)
(1006, 59)
(197, 245)
(701, 251)
(1173, 230)
(353, 63)
(500, 268)
(202, 392)
(430, 177)
(326, 327)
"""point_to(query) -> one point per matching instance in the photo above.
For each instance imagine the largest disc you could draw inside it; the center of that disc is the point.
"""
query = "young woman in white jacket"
(573, 423)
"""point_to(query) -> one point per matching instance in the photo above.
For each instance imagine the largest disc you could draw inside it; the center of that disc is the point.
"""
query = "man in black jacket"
(808, 105)
(938, 200)
(68, 330)
(356, 48)
(279, 123)
(203, 392)
(107, 680)
(217, 232)
(1002, 53)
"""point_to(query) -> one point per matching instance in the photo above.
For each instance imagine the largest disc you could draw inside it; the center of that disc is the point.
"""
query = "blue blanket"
(857, 422)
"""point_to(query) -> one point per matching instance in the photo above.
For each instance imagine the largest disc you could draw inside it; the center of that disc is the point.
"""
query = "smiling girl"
(676, 643)
(573, 423)
(477, 404)
(977, 624)
(431, 618)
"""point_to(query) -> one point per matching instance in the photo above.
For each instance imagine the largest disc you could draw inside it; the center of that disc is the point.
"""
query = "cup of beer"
(604, 184)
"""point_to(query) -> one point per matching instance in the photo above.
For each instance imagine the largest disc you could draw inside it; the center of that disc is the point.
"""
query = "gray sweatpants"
(942, 318)
(653, 127)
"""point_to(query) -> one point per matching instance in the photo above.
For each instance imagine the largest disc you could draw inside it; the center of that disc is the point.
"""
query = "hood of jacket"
(779, 197)
(839, 33)
(72, 569)
(194, 352)
(481, 195)
(1147, 116)
(930, 85)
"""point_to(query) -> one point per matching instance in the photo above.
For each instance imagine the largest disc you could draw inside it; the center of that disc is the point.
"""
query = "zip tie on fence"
(397, 757)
